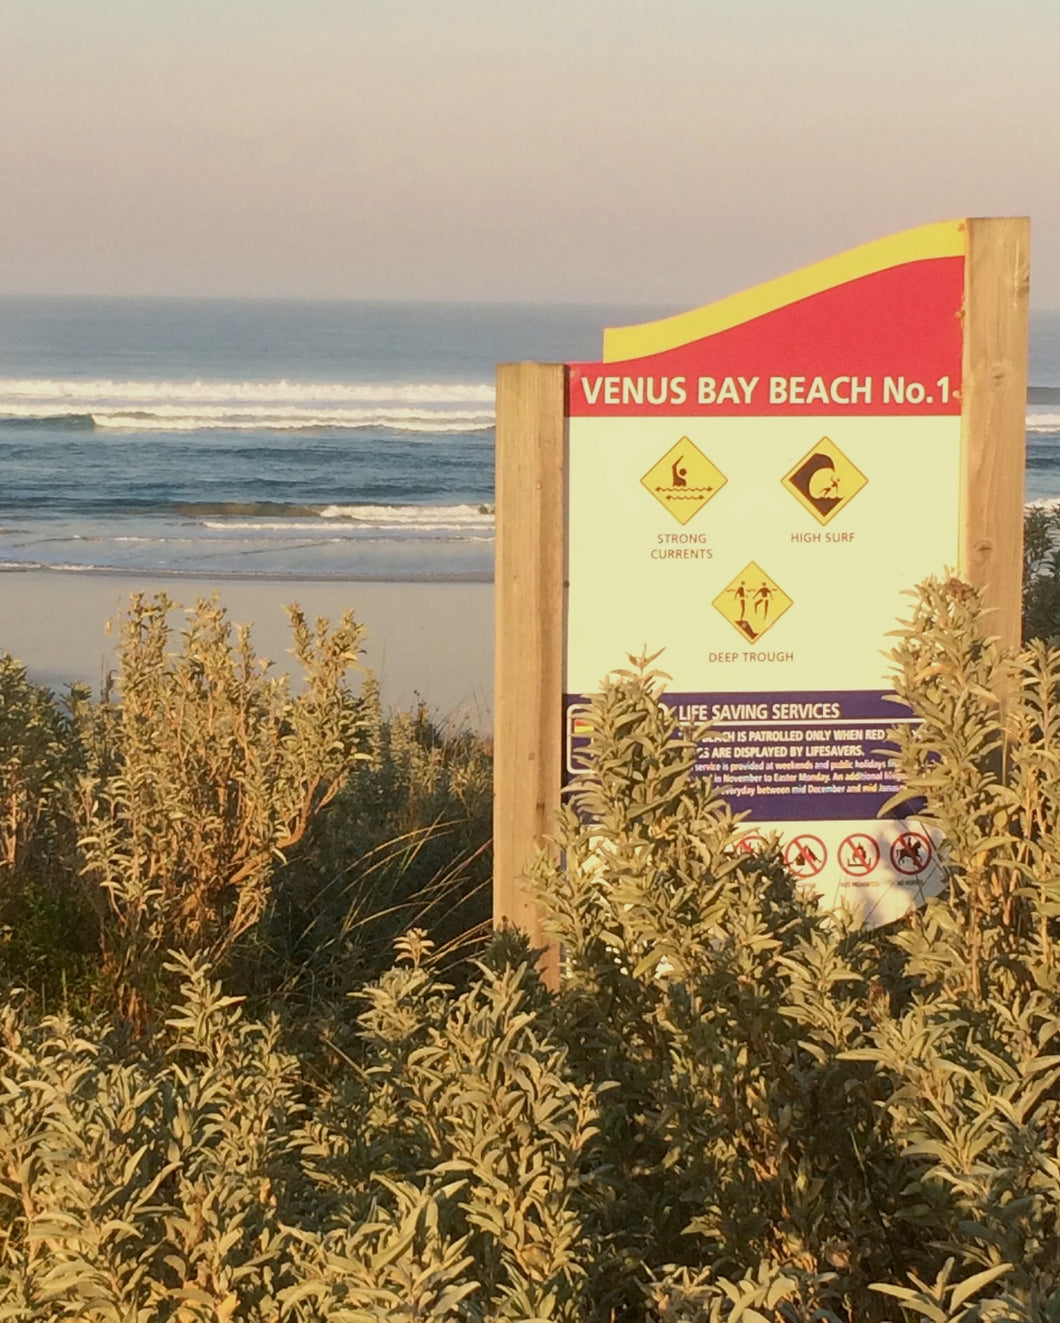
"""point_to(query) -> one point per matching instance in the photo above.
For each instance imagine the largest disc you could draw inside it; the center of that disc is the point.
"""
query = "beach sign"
(752, 487)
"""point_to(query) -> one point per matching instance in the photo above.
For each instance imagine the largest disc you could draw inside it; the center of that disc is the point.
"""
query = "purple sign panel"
(787, 757)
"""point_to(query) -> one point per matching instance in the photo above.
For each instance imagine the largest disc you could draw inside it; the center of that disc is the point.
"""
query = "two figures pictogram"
(752, 602)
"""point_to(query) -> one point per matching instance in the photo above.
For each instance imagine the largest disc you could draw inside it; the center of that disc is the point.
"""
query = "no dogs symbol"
(805, 855)
(752, 843)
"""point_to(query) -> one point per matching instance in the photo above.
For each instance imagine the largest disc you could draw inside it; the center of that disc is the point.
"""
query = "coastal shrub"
(199, 774)
(972, 1063)
(199, 804)
(716, 1003)
(793, 1119)
(405, 844)
(735, 1108)
(184, 1177)
(38, 748)
(45, 925)
(1041, 573)
(469, 1133)
(146, 1181)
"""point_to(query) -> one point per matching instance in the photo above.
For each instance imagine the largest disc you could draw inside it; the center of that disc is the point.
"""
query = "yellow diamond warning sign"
(684, 480)
(752, 603)
(825, 481)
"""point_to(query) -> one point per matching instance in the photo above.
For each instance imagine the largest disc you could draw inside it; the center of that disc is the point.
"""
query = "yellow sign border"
(942, 239)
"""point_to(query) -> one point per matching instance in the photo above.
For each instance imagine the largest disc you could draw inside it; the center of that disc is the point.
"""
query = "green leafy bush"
(203, 805)
(144, 1182)
(406, 843)
(735, 1108)
(200, 776)
(1041, 573)
(46, 925)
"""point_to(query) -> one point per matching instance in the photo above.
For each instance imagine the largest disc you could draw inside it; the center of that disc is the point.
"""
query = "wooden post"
(528, 667)
(994, 417)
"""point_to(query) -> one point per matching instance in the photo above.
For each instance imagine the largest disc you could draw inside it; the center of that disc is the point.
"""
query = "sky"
(618, 151)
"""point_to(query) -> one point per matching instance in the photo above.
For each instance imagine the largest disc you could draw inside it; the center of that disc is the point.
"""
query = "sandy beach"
(425, 640)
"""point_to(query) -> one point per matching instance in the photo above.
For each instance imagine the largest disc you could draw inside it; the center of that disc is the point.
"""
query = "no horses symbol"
(910, 853)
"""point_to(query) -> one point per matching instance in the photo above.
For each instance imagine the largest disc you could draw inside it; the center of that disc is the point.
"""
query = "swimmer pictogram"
(824, 481)
(752, 603)
(805, 855)
(910, 853)
(684, 480)
(858, 854)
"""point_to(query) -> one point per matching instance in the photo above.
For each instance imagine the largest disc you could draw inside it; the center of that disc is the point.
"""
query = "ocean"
(309, 440)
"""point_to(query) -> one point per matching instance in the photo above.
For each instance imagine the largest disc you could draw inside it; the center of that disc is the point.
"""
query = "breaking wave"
(67, 422)
(410, 520)
(185, 406)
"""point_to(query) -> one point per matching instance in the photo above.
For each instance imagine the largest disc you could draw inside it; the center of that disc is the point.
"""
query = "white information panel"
(753, 488)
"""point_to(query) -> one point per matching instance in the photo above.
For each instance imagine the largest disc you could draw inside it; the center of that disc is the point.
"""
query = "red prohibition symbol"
(752, 843)
(805, 855)
(910, 853)
(858, 854)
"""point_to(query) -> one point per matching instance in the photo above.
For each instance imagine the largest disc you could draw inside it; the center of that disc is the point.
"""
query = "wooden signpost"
(752, 486)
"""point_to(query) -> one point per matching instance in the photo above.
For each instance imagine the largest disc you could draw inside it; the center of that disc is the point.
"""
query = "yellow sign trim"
(942, 239)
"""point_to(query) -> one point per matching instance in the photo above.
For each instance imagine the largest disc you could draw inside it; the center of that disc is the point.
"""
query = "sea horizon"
(284, 438)
(274, 448)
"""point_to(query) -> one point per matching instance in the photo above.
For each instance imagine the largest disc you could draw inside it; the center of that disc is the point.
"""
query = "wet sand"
(425, 640)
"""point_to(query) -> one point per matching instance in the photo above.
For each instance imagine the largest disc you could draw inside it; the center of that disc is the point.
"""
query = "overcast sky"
(657, 151)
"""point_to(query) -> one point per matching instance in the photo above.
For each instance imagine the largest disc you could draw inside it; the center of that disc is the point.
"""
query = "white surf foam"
(466, 515)
(463, 521)
(184, 406)
(104, 390)
(289, 419)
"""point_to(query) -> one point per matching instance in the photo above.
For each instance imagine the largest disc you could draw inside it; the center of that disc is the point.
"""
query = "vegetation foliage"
(1041, 573)
(735, 1108)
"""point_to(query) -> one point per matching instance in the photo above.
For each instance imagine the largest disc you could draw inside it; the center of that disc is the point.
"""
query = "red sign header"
(887, 341)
